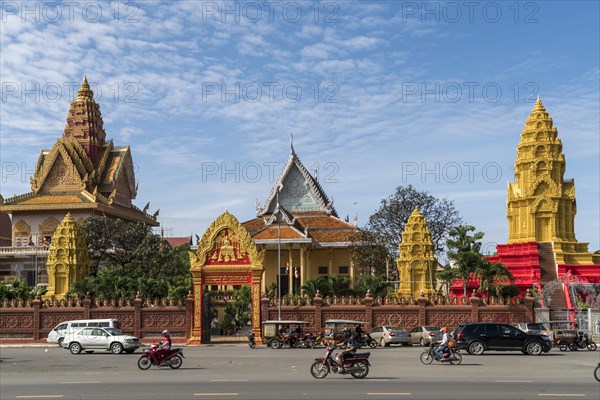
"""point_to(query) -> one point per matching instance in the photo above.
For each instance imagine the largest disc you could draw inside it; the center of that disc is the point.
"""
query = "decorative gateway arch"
(226, 255)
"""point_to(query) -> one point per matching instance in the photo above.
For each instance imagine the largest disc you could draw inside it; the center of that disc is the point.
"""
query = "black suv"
(477, 337)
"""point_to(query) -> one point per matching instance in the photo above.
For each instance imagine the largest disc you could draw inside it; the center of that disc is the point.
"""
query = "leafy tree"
(370, 253)
(464, 252)
(388, 222)
(17, 288)
(238, 310)
(99, 233)
(509, 290)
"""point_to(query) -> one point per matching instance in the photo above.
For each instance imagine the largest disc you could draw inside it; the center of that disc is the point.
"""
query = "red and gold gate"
(226, 255)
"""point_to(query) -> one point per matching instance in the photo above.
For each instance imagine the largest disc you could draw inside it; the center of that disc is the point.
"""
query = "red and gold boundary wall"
(407, 313)
(33, 320)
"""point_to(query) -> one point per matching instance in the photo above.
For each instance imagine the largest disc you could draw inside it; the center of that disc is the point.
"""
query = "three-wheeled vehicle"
(334, 328)
(564, 333)
(280, 333)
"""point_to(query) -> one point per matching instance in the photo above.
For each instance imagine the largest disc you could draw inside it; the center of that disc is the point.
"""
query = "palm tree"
(493, 275)
(464, 252)
(311, 287)
(376, 285)
(447, 275)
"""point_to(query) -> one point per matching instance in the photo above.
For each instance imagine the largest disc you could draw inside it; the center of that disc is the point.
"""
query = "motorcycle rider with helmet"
(165, 345)
(350, 342)
(439, 352)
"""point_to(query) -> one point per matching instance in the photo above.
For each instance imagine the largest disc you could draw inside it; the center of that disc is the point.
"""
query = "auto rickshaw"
(564, 333)
(279, 333)
(334, 328)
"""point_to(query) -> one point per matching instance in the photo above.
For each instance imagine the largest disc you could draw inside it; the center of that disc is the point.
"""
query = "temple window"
(323, 270)
(343, 270)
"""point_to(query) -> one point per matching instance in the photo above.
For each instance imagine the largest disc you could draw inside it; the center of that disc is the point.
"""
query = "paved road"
(237, 372)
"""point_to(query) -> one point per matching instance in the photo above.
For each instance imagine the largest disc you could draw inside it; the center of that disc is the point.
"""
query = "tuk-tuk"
(277, 333)
(564, 333)
(334, 328)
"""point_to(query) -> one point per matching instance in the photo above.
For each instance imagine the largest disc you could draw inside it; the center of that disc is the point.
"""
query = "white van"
(57, 334)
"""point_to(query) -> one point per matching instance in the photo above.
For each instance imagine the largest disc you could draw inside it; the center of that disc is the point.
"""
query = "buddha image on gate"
(226, 249)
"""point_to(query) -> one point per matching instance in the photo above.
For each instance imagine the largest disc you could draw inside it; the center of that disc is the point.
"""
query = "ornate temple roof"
(299, 211)
(298, 190)
(82, 171)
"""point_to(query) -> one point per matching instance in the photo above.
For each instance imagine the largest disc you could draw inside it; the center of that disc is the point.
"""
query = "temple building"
(299, 221)
(82, 174)
(416, 263)
(540, 209)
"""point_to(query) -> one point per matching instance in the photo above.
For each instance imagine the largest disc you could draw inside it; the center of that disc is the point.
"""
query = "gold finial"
(84, 90)
(292, 143)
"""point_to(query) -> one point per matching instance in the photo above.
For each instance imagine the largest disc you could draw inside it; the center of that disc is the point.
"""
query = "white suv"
(94, 338)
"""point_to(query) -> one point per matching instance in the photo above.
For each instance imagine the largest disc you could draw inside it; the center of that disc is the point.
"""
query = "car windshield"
(113, 331)
(394, 328)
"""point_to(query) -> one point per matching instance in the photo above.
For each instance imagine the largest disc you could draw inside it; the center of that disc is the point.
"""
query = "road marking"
(389, 394)
(41, 396)
(73, 383)
(561, 394)
(229, 380)
(513, 381)
(216, 394)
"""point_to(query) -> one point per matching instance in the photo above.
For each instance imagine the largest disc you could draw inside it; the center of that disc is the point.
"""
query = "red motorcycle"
(356, 364)
(173, 358)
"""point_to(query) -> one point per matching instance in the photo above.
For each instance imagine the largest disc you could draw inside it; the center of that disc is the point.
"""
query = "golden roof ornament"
(84, 91)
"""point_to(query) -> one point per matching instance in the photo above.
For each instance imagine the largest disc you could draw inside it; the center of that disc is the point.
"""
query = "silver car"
(95, 338)
(386, 335)
(423, 335)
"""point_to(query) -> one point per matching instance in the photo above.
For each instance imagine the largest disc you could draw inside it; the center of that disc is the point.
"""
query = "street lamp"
(278, 258)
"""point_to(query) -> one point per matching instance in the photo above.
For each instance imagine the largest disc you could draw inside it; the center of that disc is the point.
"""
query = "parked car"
(57, 334)
(478, 337)
(424, 335)
(535, 328)
(94, 338)
(386, 335)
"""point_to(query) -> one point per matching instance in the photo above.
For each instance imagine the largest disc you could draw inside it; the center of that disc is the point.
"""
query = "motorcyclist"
(439, 352)
(359, 332)
(350, 342)
(165, 345)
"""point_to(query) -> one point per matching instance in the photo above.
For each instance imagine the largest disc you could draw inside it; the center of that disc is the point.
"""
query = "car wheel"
(275, 344)
(75, 348)
(476, 348)
(534, 348)
(562, 346)
(60, 342)
(422, 342)
(116, 348)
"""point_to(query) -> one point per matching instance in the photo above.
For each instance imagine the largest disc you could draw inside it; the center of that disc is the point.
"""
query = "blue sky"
(377, 94)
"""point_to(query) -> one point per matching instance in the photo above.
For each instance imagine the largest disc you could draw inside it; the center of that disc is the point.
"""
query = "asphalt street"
(237, 372)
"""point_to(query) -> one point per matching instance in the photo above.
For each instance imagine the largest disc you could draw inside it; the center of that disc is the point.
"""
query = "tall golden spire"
(541, 204)
(84, 122)
(416, 264)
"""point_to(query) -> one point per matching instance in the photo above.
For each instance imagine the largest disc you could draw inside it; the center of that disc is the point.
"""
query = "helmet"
(166, 333)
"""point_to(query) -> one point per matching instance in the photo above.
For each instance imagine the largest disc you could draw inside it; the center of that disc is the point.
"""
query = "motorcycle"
(173, 358)
(365, 341)
(597, 373)
(356, 364)
(451, 355)
(251, 341)
(306, 341)
(582, 342)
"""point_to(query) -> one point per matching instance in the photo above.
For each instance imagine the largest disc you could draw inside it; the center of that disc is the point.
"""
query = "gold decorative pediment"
(226, 241)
